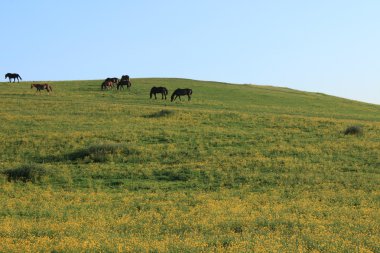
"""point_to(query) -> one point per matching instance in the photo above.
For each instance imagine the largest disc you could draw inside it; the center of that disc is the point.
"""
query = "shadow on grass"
(26, 173)
(98, 153)
(159, 114)
(353, 130)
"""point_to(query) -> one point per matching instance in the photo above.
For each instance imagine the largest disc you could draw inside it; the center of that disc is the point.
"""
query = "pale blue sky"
(323, 46)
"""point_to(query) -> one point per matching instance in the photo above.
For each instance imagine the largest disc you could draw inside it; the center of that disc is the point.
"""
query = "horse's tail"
(19, 76)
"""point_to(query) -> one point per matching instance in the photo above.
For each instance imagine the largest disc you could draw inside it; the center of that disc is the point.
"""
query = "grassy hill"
(239, 168)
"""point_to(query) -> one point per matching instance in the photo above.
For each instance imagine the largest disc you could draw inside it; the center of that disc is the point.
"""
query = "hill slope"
(238, 168)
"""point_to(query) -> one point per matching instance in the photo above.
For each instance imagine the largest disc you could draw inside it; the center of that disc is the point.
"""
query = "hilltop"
(239, 168)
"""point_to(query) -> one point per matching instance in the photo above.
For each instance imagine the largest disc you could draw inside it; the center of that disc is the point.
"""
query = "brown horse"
(106, 85)
(40, 87)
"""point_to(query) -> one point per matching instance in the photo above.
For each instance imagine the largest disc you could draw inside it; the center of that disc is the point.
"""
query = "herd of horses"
(112, 82)
(177, 93)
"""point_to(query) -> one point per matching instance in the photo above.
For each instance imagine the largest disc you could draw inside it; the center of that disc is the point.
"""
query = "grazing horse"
(114, 80)
(106, 85)
(120, 85)
(181, 92)
(156, 90)
(13, 76)
(41, 87)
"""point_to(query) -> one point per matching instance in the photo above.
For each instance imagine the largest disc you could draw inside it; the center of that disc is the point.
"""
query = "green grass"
(238, 168)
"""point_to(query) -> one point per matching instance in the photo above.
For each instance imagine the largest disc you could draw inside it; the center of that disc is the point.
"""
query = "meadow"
(239, 168)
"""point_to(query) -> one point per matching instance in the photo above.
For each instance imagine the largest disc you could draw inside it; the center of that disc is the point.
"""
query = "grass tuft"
(99, 153)
(159, 114)
(26, 173)
(353, 130)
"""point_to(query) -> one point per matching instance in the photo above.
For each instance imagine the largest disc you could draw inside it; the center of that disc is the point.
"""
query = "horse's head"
(6, 75)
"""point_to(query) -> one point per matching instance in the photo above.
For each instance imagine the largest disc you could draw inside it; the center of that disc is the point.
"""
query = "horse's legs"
(188, 97)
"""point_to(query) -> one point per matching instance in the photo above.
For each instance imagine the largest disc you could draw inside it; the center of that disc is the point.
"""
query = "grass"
(239, 168)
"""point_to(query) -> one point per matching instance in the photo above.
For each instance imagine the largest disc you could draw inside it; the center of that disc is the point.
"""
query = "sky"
(327, 46)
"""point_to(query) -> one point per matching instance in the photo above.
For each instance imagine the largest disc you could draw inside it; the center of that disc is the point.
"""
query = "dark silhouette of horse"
(181, 92)
(106, 85)
(41, 87)
(125, 77)
(156, 90)
(13, 76)
(120, 85)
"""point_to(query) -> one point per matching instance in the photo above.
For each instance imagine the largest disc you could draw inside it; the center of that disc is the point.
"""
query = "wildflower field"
(239, 168)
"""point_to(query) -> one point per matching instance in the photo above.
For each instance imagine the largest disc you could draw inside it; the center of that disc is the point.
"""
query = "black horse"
(125, 77)
(156, 90)
(181, 92)
(13, 76)
(122, 82)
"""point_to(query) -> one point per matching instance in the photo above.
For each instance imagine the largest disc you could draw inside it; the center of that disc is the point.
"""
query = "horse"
(120, 85)
(114, 80)
(181, 92)
(40, 87)
(13, 76)
(107, 84)
(125, 77)
(156, 90)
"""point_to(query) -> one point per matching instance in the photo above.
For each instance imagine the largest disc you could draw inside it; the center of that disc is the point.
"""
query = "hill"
(238, 168)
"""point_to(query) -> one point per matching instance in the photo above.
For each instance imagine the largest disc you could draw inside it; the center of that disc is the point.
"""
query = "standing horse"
(114, 80)
(120, 85)
(156, 90)
(41, 87)
(106, 85)
(13, 76)
(181, 92)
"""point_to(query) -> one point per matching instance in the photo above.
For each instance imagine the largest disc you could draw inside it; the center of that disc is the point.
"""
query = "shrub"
(25, 173)
(99, 153)
(353, 130)
(162, 113)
